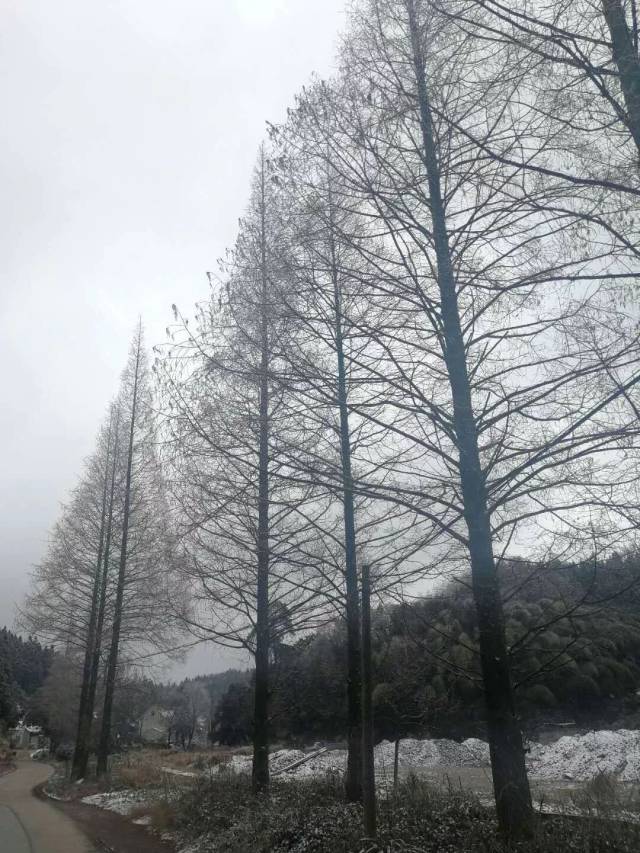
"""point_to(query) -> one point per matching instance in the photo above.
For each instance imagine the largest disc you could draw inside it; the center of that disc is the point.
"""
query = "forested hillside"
(24, 665)
(574, 648)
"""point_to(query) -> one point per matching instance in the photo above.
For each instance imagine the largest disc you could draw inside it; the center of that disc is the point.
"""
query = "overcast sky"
(129, 130)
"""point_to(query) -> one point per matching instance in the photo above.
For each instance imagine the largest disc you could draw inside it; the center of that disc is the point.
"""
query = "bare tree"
(145, 548)
(133, 377)
(503, 321)
(322, 351)
(578, 62)
(98, 600)
(249, 538)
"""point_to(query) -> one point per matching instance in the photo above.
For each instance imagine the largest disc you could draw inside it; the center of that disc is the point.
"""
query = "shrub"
(311, 817)
(64, 752)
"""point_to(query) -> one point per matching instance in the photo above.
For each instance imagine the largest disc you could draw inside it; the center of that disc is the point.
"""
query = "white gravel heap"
(581, 757)
(574, 757)
(433, 753)
(413, 754)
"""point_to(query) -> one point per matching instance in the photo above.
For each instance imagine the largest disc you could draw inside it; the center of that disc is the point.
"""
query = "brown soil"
(110, 832)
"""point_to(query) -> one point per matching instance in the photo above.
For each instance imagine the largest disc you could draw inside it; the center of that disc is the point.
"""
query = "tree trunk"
(396, 761)
(260, 770)
(85, 711)
(368, 768)
(625, 56)
(353, 779)
(104, 745)
(97, 650)
(510, 782)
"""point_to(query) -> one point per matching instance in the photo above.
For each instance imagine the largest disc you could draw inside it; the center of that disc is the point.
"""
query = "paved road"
(30, 825)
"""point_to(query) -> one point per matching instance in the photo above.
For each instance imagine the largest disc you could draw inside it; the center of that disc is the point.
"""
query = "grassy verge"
(7, 756)
(220, 814)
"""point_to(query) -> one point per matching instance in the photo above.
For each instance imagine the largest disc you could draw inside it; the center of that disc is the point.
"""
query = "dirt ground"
(111, 832)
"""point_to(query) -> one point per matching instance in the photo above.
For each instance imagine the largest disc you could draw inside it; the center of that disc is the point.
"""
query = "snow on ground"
(121, 802)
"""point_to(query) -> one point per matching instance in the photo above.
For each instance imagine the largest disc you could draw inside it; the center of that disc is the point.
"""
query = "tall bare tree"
(249, 538)
(131, 381)
(145, 547)
(504, 318)
(98, 602)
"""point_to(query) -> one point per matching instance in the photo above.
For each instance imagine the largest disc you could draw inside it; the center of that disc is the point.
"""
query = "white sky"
(128, 132)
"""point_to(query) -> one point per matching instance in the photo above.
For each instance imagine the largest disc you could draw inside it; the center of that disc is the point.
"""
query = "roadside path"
(31, 825)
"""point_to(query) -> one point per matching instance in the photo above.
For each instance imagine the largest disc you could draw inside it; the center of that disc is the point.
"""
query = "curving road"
(30, 825)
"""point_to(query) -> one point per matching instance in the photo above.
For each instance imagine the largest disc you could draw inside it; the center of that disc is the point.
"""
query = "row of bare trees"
(100, 595)
(420, 356)
(423, 349)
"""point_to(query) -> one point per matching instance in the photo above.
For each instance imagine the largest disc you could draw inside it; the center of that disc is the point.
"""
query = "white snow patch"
(173, 772)
(121, 802)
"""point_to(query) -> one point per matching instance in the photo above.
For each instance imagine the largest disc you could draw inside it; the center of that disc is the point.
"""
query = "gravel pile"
(574, 757)
(433, 753)
(581, 757)
(332, 761)
(413, 754)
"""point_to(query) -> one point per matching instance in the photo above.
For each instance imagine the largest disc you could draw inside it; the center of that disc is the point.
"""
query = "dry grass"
(7, 754)
(605, 796)
(144, 768)
(142, 776)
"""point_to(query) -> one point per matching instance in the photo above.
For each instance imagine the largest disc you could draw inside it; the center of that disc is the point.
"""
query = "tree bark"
(85, 711)
(626, 58)
(353, 779)
(260, 770)
(510, 782)
(97, 650)
(104, 745)
(368, 768)
(396, 761)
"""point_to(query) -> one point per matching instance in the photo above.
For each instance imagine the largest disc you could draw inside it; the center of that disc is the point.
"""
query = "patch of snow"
(39, 754)
(121, 802)
(174, 772)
